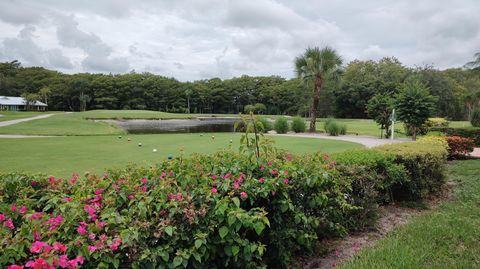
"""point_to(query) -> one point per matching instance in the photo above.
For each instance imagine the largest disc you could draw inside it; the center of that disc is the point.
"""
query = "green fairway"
(448, 237)
(61, 156)
(15, 115)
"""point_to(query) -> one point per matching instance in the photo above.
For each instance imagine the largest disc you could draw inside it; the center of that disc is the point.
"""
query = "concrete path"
(475, 153)
(23, 136)
(367, 141)
(11, 122)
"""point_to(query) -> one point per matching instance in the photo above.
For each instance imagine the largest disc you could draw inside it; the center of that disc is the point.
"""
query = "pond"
(201, 125)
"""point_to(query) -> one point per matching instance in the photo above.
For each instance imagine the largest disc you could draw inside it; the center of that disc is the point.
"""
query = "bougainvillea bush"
(224, 210)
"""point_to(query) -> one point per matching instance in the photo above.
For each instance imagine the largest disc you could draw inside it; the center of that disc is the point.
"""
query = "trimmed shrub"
(424, 162)
(299, 125)
(471, 132)
(333, 128)
(437, 123)
(266, 124)
(475, 118)
(459, 147)
(281, 125)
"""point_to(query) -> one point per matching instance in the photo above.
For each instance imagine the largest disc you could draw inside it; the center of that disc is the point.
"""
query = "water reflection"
(177, 126)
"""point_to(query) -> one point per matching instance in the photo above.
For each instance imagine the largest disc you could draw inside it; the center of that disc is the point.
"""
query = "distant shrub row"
(282, 126)
(334, 128)
(226, 210)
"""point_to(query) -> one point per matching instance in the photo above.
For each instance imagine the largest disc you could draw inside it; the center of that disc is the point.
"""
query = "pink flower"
(39, 263)
(213, 190)
(243, 195)
(92, 248)
(274, 172)
(285, 172)
(36, 216)
(131, 197)
(74, 178)
(144, 180)
(226, 176)
(2, 217)
(333, 163)
(63, 261)
(115, 244)
(326, 157)
(37, 247)
(34, 183)
(144, 188)
(179, 197)
(59, 247)
(81, 230)
(14, 266)
(270, 163)
(213, 177)
(262, 168)
(91, 212)
(23, 210)
(98, 191)
(261, 180)
(67, 199)
(9, 224)
(163, 176)
(75, 262)
(289, 157)
(13, 207)
(103, 237)
(91, 236)
(285, 181)
(236, 185)
(36, 236)
(100, 224)
(54, 222)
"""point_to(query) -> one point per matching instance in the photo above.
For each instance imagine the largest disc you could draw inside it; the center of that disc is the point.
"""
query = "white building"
(9, 103)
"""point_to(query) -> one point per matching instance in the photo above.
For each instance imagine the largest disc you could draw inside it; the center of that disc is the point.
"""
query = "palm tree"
(314, 66)
(475, 64)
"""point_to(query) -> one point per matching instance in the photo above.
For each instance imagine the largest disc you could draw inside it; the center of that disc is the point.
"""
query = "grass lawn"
(447, 237)
(60, 156)
(14, 115)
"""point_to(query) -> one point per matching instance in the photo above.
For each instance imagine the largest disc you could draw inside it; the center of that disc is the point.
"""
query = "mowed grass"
(14, 115)
(60, 156)
(446, 238)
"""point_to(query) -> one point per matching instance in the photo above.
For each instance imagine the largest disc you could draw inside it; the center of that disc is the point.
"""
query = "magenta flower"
(179, 197)
(2, 217)
(63, 261)
(144, 180)
(270, 163)
(213, 177)
(214, 190)
(82, 230)
(13, 207)
(23, 210)
(243, 195)
(59, 247)
(144, 188)
(75, 262)
(274, 172)
(55, 222)
(36, 216)
(261, 180)
(91, 212)
(38, 263)
(98, 191)
(285, 181)
(227, 176)
(9, 224)
(36, 236)
(236, 185)
(289, 157)
(285, 172)
(92, 248)
(262, 168)
(115, 244)
(37, 247)
(34, 183)
(91, 236)
(67, 199)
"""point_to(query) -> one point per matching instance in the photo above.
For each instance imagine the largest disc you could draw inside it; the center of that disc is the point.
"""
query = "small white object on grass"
(154, 150)
(139, 144)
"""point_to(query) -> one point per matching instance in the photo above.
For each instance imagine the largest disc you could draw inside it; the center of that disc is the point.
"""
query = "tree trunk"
(414, 134)
(315, 101)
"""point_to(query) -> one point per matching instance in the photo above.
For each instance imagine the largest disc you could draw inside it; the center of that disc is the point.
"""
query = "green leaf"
(177, 261)
(169, 230)
(164, 256)
(223, 231)
(231, 219)
(259, 226)
(236, 201)
(198, 243)
(235, 250)
(197, 257)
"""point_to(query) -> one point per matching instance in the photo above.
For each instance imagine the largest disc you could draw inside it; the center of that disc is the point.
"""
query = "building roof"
(17, 101)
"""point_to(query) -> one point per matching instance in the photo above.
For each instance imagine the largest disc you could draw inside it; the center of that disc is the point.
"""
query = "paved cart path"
(11, 122)
(368, 141)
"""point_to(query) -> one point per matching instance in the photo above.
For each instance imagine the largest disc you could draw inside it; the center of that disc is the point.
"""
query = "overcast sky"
(196, 39)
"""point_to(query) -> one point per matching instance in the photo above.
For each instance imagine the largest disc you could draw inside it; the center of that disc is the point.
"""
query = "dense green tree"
(475, 64)
(379, 108)
(314, 66)
(414, 105)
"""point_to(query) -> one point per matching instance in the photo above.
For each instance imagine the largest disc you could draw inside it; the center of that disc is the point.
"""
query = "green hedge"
(471, 132)
(226, 210)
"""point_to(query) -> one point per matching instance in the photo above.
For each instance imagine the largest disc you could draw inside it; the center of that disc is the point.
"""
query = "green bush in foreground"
(251, 209)
(299, 125)
(281, 125)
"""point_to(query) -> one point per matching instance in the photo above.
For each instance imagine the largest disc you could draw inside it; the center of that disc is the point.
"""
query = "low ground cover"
(249, 209)
(60, 156)
(446, 238)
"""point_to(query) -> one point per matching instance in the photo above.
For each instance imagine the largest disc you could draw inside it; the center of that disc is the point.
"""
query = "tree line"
(344, 93)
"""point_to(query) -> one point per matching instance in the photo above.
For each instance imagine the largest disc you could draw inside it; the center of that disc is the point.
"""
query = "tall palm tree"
(314, 66)
(475, 64)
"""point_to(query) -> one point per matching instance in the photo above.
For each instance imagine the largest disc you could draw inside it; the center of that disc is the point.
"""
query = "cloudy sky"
(196, 39)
